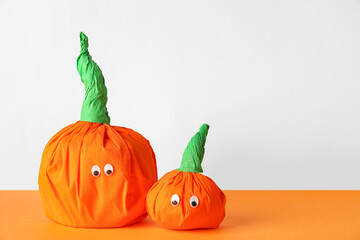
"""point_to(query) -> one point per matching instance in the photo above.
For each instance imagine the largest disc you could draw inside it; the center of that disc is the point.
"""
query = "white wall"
(278, 82)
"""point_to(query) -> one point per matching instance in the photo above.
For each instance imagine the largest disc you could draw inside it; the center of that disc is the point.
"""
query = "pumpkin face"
(185, 198)
(93, 174)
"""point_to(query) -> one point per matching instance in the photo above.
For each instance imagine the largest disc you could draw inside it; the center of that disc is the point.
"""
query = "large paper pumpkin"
(93, 174)
(185, 198)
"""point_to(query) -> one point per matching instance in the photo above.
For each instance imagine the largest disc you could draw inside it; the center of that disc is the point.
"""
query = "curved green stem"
(94, 105)
(194, 152)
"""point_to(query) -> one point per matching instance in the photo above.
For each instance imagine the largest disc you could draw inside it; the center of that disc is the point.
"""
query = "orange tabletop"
(287, 215)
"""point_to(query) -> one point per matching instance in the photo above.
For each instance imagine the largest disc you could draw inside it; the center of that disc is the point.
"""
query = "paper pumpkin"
(93, 174)
(185, 198)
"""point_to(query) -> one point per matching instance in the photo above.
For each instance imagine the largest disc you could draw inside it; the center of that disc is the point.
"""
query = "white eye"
(194, 201)
(95, 170)
(175, 200)
(108, 169)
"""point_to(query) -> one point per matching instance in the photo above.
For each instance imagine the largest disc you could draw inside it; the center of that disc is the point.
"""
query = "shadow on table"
(231, 221)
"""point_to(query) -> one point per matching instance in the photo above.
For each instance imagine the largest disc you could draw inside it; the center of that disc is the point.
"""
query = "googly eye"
(108, 169)
(194, 201)
(95, 170)
(175, 200)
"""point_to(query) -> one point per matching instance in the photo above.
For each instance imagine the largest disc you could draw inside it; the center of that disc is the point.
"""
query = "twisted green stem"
(94, 105)
(194, 152)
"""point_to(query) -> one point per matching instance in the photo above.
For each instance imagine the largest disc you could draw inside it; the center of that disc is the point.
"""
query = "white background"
(278, 82)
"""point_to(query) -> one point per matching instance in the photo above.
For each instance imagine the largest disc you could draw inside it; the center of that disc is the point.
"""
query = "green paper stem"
(94, 105)
(194, 152)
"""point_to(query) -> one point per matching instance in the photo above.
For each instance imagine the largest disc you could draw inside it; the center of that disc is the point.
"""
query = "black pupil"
(174, 202)
(96, 173)
(193, 203)
(109, 171)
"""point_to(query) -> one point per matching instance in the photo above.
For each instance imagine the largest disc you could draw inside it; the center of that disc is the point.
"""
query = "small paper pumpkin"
(93, 174)
(185, 198)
